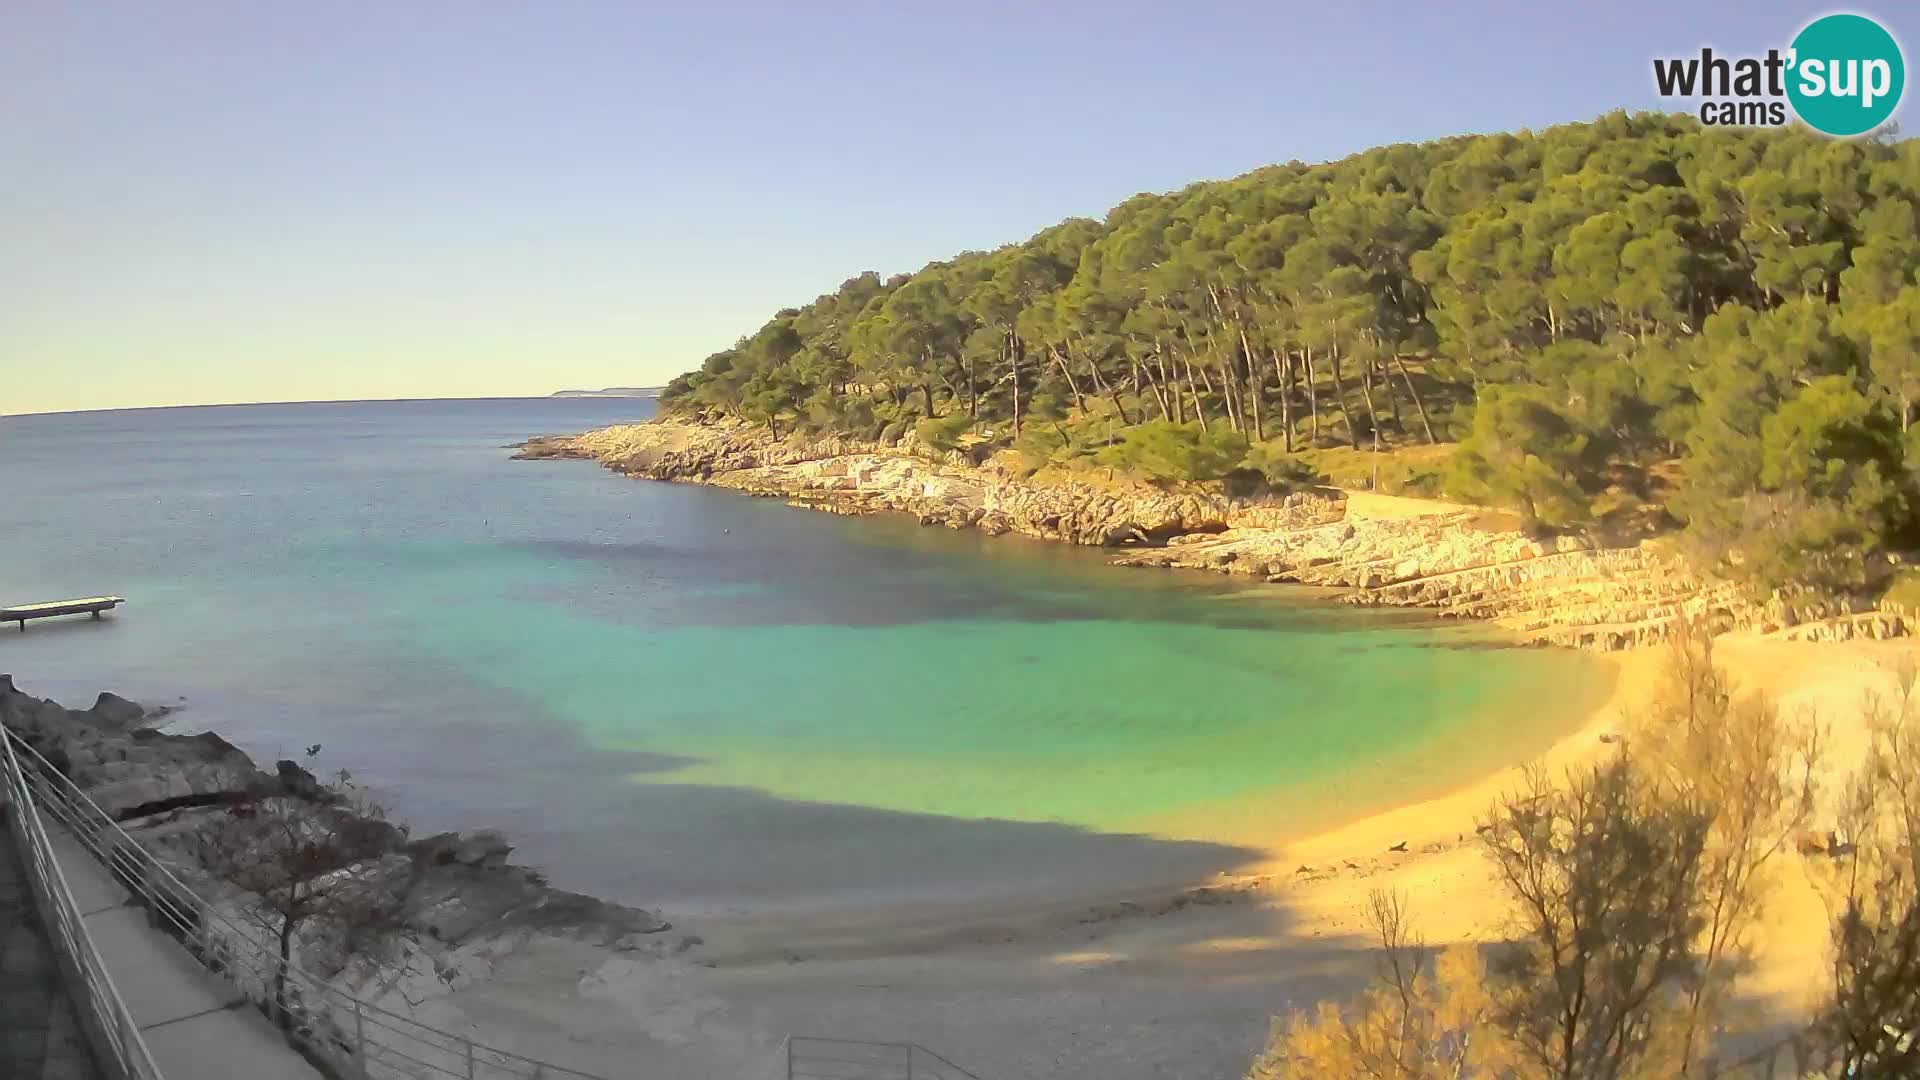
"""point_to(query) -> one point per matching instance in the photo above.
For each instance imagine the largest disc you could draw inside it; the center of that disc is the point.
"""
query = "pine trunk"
(1340, 397)
(1015, 349)
(1159, 397)
(1414, 392)
(1284, 369)
(1366, 395)
(1254, 376)
(1101, 385)
(1072, 386)
(1199, 411)
(1230, 396)
(1393, 397)
(1313, 401)
(1170, 385)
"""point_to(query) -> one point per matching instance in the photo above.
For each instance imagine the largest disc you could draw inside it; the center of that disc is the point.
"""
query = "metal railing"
(813, 1058)
(117, 1045)
(345, 1035)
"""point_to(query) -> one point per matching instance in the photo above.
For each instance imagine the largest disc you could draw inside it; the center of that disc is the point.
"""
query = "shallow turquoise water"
(686, 697)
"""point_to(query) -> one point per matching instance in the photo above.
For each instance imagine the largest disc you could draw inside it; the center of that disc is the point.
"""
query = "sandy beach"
(1179, 981)
(1175, 984)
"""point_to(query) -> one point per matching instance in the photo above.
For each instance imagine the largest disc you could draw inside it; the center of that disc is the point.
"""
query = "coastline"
(1191, 975)
(1291, 929)
(1324, 863)
(1178, 979)
(1452, 560)
(1181, 981)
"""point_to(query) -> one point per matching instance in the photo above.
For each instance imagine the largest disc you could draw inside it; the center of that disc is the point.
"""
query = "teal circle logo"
(1846, 76)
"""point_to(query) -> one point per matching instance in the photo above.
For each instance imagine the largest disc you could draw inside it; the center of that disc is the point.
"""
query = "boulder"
(486, 848)
(113, 711)
(300, 783)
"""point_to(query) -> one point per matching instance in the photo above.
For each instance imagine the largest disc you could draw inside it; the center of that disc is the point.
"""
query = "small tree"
(1169, 453)
(1872, 1024)
(301, 849)
(1635, 887)
(1527, 455)
(1749, 772)
(944, 432)
(1605, 879)
(1422, 1019)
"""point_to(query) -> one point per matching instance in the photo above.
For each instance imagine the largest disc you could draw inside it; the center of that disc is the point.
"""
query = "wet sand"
(1166, 984)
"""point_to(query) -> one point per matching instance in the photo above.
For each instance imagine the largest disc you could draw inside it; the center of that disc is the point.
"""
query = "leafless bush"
(307, 855)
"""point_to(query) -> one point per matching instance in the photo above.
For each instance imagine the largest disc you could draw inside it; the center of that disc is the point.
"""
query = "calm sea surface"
(687, 698)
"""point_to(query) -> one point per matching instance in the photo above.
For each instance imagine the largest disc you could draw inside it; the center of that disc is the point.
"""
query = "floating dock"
(86, 605)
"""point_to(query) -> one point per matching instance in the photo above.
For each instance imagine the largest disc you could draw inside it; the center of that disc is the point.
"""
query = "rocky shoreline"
(1455, 561)
(463, 904)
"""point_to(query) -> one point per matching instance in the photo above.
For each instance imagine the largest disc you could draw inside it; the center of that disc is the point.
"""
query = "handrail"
(353, 1037)
(816, 1057)
(350, 1036)
(114, 1035)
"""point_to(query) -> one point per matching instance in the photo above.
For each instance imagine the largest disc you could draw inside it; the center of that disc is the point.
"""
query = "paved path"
(40, 1036)
(193, 1022)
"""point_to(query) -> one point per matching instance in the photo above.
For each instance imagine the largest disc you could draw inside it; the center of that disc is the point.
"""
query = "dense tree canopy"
(1577, 307)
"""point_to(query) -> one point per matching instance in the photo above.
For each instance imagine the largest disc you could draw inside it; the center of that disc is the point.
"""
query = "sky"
(210, 201)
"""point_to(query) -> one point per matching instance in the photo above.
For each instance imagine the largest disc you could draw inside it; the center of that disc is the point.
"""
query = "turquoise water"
(689, 698)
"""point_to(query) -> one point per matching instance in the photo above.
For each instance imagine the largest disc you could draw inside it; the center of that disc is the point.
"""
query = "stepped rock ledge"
(1456, 561)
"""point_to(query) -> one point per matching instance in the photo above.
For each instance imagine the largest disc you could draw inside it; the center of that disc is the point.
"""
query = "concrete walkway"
(193, 1022)
(40, 1035)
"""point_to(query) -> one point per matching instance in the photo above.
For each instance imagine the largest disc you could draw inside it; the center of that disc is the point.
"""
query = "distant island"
(612, 391)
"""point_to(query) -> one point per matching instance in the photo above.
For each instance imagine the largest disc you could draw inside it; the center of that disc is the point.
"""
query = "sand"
(1168, 984)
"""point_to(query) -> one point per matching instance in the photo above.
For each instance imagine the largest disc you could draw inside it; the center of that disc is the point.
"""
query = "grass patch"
(1408, 470)
(1904, 592)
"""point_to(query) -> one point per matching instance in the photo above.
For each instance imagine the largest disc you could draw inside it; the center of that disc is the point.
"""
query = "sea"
(698, 701)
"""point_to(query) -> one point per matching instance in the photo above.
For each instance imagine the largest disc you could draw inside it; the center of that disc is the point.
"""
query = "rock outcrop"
(847, 476)
(461, 899)
(123, 766)
(1562, 591)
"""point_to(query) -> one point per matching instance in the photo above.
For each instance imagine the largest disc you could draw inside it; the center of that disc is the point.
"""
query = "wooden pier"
(86, 605)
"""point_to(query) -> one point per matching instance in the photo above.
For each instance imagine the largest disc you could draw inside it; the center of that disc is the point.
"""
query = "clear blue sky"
(236, 201)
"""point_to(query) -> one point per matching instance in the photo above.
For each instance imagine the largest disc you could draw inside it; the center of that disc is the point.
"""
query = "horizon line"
(561, 395)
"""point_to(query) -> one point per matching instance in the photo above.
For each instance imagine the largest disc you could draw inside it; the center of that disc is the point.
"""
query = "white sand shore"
(1169, 986)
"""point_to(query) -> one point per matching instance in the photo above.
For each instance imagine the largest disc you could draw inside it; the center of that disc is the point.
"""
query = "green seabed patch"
(1107, 723)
